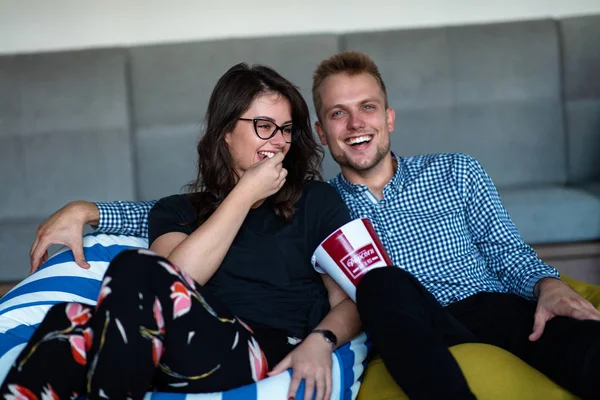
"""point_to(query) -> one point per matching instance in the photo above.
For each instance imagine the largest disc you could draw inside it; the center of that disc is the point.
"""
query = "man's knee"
(390, 287)
(378, 281)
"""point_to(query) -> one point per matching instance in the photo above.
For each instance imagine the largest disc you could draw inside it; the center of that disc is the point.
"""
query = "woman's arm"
(201, 253)
(343, 319)
(311, 360)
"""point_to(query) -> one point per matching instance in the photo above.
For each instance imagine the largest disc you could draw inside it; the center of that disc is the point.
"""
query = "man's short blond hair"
(350, 63)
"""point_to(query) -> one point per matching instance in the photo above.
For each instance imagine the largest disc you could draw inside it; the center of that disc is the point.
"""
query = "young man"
(463, 272)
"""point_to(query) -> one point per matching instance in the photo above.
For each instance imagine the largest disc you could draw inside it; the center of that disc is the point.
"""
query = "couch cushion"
(553, 214)
(492, 91)
(581, 63)
(64, 131)
(491, 372)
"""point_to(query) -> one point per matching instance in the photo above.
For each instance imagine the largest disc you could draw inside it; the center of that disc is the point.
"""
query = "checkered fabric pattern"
(442, 220)
(124, 217)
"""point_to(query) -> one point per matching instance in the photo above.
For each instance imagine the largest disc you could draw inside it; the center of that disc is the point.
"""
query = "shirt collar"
(394, 184)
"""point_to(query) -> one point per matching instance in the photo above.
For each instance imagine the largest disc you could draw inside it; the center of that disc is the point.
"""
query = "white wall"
(42, 25)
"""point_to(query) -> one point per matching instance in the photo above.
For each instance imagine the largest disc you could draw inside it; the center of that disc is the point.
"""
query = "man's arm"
(124, 217)
(66, 226)
(514, 262)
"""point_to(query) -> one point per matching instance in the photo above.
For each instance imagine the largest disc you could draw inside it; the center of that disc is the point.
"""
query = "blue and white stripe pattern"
(60, 280)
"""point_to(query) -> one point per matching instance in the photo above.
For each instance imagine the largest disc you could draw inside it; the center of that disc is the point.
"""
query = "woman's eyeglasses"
(266, 129)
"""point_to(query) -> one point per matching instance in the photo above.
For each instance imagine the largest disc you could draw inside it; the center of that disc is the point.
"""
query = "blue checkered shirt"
(440, 219)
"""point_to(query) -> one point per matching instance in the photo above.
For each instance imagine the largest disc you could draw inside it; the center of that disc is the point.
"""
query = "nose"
(278, 139)
(355, 122)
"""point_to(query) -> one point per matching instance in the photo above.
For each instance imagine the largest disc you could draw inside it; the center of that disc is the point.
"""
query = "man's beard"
(343, 161)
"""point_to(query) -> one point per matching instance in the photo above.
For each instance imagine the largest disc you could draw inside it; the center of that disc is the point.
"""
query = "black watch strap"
(328, 335)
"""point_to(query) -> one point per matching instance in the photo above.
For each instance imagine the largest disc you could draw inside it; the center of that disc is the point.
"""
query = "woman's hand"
(264, 178)
(310, 361)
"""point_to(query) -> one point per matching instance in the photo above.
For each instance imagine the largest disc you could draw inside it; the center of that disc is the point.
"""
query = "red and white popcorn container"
(349, 253)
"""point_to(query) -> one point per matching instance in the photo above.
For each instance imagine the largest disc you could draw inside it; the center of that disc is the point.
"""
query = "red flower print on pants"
(157, 350)
(19, 392)
(258, 361)
(158, 316)
(104, 291)
(182, 301)
(78, 314)
(88, 336)
(78, 349)
(49, 393)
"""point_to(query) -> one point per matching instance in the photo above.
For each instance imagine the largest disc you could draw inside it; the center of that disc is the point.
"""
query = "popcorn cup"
(349, 253)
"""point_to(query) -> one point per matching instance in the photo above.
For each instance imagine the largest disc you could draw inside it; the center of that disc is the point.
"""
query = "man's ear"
(391, 119)
(320, 132)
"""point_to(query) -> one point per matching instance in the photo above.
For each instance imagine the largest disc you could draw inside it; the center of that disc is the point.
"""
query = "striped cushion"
(60, 280)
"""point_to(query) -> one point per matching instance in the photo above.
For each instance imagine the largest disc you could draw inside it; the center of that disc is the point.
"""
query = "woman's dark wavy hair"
(232, 96)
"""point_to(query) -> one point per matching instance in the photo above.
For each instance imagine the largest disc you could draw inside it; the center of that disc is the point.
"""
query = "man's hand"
(556, 298)
(63, 227)
(310, 361)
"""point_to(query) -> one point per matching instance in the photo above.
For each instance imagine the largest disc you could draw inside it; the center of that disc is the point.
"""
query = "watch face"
(329, 336)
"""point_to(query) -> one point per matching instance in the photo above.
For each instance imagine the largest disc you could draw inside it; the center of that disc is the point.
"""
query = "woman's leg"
(156, 330)
(55, 359)
(152, 329)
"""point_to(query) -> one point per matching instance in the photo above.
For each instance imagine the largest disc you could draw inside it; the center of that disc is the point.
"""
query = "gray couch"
(523, 98)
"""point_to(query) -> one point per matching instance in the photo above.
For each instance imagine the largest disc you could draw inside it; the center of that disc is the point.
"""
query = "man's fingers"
(582, 313)
(539, 323)
(79, 257)
(34, 245)
(38, 253)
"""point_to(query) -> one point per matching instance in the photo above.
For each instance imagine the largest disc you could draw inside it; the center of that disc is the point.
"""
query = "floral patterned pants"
(152, 329)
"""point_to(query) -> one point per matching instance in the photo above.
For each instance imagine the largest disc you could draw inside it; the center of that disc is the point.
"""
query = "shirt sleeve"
(513, 261)
(124, 217)
(171, 214)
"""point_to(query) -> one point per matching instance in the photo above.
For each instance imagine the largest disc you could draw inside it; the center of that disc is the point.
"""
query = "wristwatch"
(328, 335)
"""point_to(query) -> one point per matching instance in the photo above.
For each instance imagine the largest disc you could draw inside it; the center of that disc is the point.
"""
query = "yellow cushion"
(492, 373)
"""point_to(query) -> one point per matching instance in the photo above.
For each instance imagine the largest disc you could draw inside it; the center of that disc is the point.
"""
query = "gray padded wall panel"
(505, 62)
(71, 136)
(489, 91)
(171, 85)
(9, 98)
(581, 72)
(169, 159)
(73, 91)
(16, 239)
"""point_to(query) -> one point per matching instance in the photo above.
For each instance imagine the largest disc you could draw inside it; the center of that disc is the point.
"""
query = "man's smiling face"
(355, 122)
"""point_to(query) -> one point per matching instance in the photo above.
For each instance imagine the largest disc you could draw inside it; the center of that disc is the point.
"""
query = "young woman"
(227, 294)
